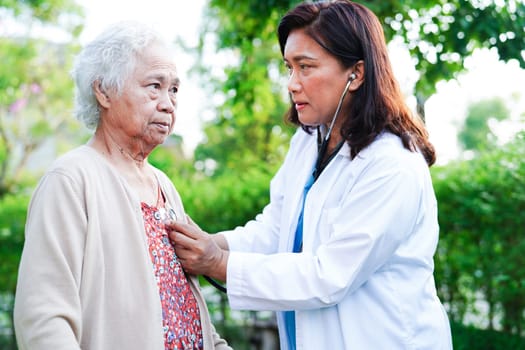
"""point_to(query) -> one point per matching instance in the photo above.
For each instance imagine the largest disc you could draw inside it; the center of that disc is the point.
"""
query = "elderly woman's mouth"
(162, 125)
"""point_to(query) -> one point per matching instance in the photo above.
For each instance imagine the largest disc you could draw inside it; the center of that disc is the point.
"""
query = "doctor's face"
(317, 79)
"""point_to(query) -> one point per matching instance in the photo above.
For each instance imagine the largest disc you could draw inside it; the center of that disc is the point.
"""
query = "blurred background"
(461, 65)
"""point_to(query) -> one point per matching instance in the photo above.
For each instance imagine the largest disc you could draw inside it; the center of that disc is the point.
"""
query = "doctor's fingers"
(198, 248)
(185, 258)
(189, 230)
(191, 261)
(182, 240)
(183, 254)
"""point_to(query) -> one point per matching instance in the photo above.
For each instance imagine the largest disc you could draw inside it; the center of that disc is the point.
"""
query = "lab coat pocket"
(327, 223)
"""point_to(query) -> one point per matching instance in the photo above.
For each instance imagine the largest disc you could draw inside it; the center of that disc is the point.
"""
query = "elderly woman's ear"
(100, 94)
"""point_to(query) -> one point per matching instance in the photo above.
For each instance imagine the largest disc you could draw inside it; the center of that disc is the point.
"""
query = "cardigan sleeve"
(47, 311)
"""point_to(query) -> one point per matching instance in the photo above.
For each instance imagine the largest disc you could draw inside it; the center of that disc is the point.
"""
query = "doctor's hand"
(197, 251)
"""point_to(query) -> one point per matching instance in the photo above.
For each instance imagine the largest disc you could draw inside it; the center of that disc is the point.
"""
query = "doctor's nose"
(293, 83)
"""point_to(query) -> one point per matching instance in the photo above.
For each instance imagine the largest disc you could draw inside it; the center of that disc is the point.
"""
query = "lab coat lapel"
(327, 184)
(298, 176)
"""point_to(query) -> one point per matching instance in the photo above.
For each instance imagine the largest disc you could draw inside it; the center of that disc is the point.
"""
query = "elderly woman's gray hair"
(108, 60)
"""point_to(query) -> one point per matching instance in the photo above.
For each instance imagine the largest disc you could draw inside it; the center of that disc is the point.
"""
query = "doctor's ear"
(356, 76)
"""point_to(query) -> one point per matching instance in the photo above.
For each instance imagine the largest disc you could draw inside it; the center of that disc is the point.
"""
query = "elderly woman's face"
(145, 112)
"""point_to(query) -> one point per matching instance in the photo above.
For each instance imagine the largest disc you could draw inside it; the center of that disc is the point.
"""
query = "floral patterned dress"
(180, 312)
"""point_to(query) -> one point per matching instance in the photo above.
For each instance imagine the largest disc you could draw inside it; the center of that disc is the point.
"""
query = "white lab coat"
(364, 280)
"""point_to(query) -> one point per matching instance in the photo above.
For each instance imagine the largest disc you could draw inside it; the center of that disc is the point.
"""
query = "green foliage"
(242, 22)
(12, 74)
(234, 326)
(226, 201)
(476, 134)
(35, 112)
(248, 128)
(47, 11)
(170, 158)
(468, 338)
(7, 338)
(12, 219)
(440, 35)
(480, 255)
(35, 88)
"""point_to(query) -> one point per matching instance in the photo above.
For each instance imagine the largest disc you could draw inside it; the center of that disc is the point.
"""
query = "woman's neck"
(132, 165)
(110, 146)
(334, 139)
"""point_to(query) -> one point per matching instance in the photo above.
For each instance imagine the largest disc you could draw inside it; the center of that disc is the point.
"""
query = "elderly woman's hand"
(197, 251)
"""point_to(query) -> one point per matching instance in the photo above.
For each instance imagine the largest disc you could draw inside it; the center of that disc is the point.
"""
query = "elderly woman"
(98, 270)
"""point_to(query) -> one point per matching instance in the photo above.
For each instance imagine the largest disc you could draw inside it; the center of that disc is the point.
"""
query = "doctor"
(344, 250)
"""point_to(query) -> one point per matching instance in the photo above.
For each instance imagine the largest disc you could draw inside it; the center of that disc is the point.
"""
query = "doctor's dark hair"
(351, 32)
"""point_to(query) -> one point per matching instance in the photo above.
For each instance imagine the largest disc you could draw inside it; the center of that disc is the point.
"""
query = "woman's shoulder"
(73, 156)
(301, 138)
(75, 168)
(387, 151)
(80, 160)
(390, 145)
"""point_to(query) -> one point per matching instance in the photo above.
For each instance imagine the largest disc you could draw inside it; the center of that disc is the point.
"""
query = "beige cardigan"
(86, 280)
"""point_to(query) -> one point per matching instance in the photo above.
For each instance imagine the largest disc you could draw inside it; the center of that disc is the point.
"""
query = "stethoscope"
(318, 163)
(324, 143)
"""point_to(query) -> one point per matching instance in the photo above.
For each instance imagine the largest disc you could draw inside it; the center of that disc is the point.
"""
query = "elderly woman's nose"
(167, 103)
